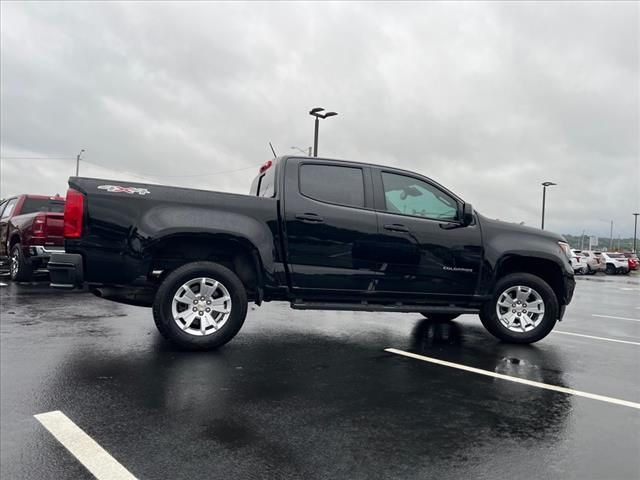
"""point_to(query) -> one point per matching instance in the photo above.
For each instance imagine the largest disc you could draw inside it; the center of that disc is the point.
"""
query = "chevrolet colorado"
(317, 233)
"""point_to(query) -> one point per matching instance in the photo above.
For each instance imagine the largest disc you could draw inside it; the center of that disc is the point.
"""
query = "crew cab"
(30, 230)
(317, 233)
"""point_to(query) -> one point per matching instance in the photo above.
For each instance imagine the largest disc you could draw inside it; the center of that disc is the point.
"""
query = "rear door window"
(333, 184)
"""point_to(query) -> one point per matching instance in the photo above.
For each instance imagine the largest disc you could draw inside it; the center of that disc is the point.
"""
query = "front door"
(329, 224)
(426, 250)
(5, 215)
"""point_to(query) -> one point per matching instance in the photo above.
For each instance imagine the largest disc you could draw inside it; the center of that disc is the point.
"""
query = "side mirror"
(467, 214)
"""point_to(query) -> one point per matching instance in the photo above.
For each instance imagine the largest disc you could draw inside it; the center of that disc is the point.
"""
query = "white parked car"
(616, 263)
(595, 262)
(578, 262)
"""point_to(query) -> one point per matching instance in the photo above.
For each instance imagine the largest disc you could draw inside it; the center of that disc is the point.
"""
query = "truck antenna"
(274, 152)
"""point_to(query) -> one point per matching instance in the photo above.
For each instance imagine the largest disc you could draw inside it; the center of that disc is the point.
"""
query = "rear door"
(329, 226)
(425, 249)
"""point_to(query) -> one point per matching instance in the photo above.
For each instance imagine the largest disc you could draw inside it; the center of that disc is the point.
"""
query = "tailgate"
(54, 224)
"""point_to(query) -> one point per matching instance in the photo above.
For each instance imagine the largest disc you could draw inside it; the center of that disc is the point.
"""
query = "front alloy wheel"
(523, 309)
(520, 308)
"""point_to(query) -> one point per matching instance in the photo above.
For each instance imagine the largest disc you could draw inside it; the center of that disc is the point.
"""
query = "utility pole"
(78, 162)
(611, 237)
(582, 241)
(635, 231)
(315, 112)
(544, 197)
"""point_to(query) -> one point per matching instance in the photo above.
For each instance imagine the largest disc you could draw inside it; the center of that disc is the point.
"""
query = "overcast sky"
(489, 99)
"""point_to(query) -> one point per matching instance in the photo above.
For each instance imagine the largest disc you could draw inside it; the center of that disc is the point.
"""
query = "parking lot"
(318, 395)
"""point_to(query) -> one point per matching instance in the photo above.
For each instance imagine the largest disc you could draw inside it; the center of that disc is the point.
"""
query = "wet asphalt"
(314, 395)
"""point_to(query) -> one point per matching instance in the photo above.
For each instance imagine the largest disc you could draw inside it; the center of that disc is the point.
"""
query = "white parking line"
(83, 447)
(616, 318)
(3, 284)
(509, 378)
(597, 338)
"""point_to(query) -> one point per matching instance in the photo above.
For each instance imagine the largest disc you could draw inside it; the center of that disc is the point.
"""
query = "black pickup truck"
(318, 233)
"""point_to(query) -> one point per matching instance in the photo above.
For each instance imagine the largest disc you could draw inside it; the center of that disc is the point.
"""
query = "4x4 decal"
(119, 189)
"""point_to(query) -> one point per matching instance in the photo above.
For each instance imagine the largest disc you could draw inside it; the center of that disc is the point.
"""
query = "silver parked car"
(595, 262)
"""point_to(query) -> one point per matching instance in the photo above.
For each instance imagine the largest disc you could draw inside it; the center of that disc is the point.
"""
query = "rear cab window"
(336, 184)
(264, 185)
(32, 205)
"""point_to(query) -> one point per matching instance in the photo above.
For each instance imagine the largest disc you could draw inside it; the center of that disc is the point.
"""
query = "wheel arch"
(13, 239)
(546, 269)
(236, 253)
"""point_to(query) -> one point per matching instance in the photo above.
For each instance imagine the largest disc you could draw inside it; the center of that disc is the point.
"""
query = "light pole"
(635, 230)
(315, 112)
(78, 162)
(544, 197)
(308, 153)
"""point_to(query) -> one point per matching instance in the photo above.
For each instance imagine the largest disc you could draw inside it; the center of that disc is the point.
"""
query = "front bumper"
(65, 270)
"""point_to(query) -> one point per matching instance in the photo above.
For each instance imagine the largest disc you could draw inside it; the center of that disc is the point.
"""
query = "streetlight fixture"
(306, 152)
(635, 231)
(315, 112)
(544, 196)
(78, 162)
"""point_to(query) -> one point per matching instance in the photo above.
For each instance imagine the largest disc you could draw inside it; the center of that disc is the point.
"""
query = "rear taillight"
(39, 225)
(73, 214)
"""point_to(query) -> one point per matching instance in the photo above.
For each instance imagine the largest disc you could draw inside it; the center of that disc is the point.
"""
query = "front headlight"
(564, 246)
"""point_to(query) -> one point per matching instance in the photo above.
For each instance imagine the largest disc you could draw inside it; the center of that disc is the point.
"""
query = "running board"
(373, 307)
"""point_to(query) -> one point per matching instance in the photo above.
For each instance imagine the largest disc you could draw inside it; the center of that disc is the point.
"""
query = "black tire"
(491, 322)
(22, 272)
(440, 317)
(162, 306)
(611, 269)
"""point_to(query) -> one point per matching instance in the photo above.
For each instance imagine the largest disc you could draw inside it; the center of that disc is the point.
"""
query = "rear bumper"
(40, 251)
(65, 270)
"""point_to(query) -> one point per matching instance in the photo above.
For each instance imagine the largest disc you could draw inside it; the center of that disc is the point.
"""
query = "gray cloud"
(490, 99)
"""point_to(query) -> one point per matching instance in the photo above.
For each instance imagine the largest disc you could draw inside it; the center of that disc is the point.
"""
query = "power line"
(139, 175)
(142, 175)
(36, 158)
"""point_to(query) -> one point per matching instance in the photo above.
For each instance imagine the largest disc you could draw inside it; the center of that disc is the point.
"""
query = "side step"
(373, 307)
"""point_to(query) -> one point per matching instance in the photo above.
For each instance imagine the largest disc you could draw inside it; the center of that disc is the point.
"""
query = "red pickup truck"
(31, 228)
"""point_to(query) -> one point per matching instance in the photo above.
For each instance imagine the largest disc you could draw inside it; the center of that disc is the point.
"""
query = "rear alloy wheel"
(20, 267)
(200, 306)
(611, 269)
(440, 317)
(523, 309)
